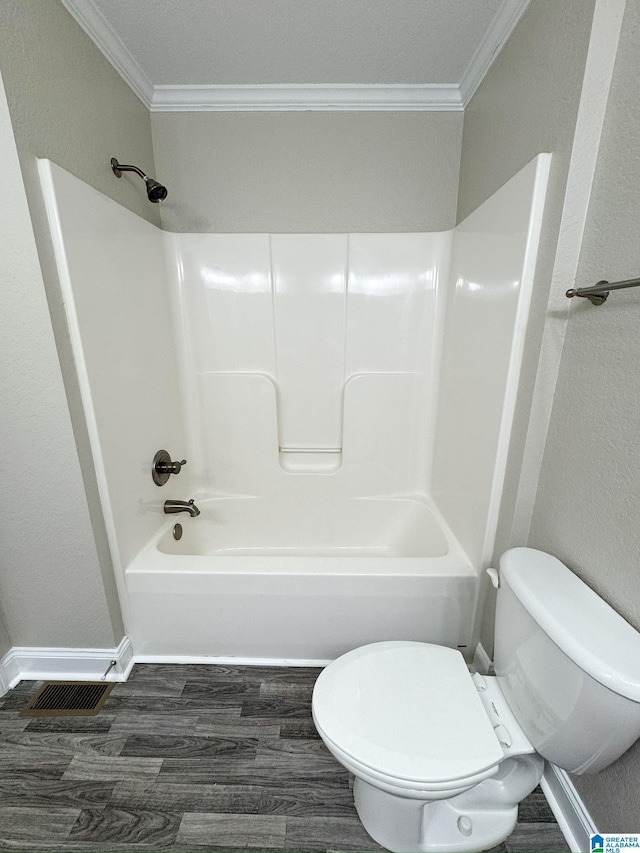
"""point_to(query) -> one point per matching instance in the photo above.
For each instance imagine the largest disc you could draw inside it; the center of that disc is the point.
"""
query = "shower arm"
(155, 191)
(119, 168)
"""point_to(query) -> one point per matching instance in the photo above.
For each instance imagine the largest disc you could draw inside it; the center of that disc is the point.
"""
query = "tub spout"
(182, 506)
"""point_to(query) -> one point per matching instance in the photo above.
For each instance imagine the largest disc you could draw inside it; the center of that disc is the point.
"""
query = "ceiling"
(425, 53)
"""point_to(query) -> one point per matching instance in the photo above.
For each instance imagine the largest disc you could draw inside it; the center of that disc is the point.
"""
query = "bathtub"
(270, 580)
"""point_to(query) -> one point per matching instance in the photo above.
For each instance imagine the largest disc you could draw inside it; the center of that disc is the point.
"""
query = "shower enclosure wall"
(344, 403)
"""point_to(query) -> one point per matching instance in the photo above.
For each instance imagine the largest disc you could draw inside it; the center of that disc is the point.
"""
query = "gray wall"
(308, 171)
(527, 104)
(587, 509)
(5, 639)
(68, 104)
(50, 584)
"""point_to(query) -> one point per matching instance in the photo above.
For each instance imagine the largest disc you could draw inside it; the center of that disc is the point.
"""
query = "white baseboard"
(5, 679)
(35, 664)
(482, 663)
(9, 672)
(228, 661)
(571, 813)
(31, 663)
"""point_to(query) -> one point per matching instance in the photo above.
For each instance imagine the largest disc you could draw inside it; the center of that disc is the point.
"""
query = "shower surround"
(344, 403)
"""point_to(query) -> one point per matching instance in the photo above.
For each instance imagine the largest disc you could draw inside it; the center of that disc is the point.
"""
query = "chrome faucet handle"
(163, 467)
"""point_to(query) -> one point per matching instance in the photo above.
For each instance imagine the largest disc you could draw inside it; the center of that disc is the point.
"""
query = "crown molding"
(305, 97)
(495, 38)
(109, 42)
(248, 98)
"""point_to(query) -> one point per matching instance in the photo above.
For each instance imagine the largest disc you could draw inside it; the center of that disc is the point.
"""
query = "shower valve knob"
(163, 467)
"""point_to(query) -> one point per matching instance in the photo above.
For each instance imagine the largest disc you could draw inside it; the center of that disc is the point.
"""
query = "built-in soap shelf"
(310, 460)
(380, 448)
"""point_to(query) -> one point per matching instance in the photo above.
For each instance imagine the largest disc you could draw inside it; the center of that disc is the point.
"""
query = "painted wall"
(50, 584)
(5, 639)
(5, 646)
(69, 104)
(588, 502)
(528, 101)
(527, 104)
(308, 171)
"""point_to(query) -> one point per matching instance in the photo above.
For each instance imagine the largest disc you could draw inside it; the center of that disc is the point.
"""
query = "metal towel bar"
(599, 292)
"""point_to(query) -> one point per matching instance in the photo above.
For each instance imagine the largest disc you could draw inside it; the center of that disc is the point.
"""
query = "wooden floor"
(190, 758)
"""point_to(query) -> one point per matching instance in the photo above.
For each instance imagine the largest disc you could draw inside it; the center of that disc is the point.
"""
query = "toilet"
(442, 757)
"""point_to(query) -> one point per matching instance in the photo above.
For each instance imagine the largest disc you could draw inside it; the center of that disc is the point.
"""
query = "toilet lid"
(406, 710)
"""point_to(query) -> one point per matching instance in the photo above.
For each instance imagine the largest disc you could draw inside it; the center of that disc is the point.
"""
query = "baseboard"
(571, 813)
(5, 677)
(229, 661)
(31, 663)
(9, 672)
(482, 663)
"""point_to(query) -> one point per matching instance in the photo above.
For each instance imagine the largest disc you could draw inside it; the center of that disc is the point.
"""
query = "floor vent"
(68, 698)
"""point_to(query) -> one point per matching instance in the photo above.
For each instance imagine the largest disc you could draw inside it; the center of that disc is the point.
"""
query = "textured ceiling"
(301, 41)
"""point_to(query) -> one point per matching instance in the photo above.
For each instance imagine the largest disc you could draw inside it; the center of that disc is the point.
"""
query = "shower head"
(155, 191)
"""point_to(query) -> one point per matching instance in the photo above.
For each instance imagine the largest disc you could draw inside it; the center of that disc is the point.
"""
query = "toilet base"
(479, 818)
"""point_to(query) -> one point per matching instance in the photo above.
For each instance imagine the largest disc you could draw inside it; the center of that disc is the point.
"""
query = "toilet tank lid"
(580, 623)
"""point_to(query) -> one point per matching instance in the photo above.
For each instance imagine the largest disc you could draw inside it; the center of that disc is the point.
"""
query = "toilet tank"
(566, 662)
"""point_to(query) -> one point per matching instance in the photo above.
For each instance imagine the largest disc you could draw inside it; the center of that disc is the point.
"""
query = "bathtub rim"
(152, 560)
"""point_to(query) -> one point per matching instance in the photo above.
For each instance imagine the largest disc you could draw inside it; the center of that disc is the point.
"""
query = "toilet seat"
(402, 787)
(408, 716)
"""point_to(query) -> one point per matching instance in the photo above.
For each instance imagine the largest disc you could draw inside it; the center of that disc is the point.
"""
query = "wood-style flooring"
(191, 758)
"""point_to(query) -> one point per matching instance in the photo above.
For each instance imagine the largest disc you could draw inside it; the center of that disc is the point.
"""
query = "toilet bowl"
(442, 757)
(423, 741)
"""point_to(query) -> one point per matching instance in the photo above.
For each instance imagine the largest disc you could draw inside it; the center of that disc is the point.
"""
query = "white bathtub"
(257, 579)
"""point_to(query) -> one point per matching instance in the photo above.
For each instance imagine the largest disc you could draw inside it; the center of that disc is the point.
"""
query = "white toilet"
(442, 758)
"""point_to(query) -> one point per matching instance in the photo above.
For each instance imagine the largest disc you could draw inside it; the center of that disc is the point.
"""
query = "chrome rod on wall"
(599, 292)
